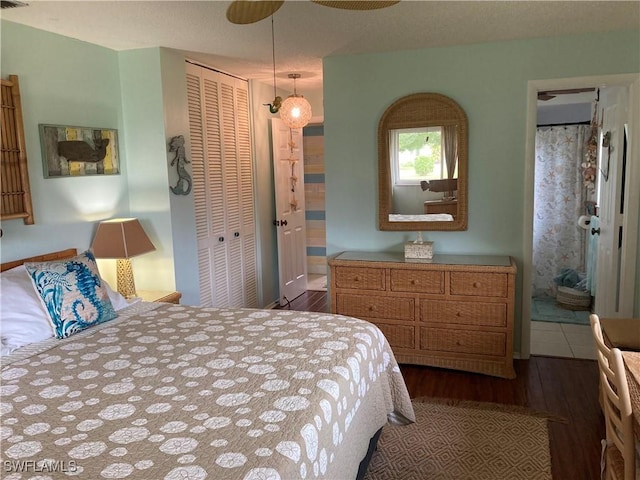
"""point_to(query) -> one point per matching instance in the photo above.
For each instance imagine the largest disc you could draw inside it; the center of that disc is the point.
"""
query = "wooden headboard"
(62, 254)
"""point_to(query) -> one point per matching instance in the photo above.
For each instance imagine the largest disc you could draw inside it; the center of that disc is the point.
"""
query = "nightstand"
(159, 296)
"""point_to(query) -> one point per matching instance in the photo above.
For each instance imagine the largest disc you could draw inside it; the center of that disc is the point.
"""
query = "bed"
(169, 391)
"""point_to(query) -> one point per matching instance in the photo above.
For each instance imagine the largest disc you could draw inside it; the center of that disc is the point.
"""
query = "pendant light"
(295, 111)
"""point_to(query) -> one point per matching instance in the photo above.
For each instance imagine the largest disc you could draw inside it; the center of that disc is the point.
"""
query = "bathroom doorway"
(564, 192)
(623, 264)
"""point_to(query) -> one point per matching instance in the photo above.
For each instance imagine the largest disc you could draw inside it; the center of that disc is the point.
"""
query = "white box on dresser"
(452, 311)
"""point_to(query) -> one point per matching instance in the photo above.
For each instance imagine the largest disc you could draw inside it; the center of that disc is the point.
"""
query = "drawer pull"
(476, 284)
(458, 314)
(356, 279)
(414, 282)
(372, 308)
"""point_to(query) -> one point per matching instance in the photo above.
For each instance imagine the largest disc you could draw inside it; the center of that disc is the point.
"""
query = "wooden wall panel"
(314, 192)
(16, 193)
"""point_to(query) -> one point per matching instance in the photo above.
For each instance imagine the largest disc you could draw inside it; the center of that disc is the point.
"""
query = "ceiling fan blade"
(242, 12)
(565, 92)
(356, 5)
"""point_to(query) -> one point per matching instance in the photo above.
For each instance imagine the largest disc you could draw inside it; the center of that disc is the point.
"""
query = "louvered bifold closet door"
(220, 142)
(247, 217)
(232, 188)
(205, 149)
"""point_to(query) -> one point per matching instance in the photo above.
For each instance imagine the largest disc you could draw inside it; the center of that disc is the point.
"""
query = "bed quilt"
(179, 392)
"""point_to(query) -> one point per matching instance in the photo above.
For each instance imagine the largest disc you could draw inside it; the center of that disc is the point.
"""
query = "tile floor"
(562, 340)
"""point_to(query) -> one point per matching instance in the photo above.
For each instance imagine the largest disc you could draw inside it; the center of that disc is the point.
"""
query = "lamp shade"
(295, 111)
(121, 238)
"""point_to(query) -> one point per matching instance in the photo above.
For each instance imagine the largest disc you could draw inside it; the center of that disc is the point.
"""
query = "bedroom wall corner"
(264, 192)
(148, 177)
(183, 222)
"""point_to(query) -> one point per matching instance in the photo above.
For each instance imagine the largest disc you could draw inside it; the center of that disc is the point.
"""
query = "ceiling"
(306, 32)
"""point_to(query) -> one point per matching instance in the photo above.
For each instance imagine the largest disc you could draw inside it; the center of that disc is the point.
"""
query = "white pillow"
(23, 318)
(117, 300)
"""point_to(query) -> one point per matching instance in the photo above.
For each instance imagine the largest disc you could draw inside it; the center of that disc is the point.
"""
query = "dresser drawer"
(371, 306)
(360, 278)
(479, 284)
(463, 313)
(462, 341)
(417, 281)
(398, 336)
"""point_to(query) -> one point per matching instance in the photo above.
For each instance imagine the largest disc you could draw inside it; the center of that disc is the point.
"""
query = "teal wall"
(183, 222)
(64, 82)
(144, 129)
(68, 82)
(142, 93)
(489, 81)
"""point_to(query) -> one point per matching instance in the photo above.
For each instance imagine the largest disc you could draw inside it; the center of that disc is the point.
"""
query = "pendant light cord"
(273, 50)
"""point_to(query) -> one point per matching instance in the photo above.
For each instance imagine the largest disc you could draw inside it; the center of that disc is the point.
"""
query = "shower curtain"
(558, 241)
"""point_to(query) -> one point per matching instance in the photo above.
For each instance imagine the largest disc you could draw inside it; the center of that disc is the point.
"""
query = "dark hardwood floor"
(564, 387)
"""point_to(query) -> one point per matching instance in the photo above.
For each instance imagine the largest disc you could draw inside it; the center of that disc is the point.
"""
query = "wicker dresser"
(454, 311)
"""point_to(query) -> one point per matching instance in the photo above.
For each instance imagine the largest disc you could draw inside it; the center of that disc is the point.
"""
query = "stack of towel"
(571, 278)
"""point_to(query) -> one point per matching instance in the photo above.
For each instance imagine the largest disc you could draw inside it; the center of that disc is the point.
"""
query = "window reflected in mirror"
(422, 164)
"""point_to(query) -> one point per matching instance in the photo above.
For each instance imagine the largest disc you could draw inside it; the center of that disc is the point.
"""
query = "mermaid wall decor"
(183, 186)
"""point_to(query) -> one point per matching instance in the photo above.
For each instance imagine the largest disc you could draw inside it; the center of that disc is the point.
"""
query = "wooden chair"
(619, 454)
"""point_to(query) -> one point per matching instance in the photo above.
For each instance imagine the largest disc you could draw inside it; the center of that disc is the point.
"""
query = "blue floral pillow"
(73, 293)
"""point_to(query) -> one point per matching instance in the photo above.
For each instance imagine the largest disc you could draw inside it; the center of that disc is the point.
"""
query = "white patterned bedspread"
(178, 392)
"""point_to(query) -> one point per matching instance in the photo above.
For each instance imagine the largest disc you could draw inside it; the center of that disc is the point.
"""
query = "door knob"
(595, 231)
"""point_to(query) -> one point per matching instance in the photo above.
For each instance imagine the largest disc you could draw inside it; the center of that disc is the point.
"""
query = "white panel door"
(288, 170)
(611, 146)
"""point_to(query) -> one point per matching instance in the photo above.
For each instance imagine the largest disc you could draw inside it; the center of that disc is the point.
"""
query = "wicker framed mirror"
(423, 164)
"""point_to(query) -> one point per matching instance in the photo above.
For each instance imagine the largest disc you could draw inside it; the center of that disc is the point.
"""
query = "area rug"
(546, 309)
(456, 440)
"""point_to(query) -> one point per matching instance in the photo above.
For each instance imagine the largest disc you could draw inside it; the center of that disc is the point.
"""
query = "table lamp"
(121, 239)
